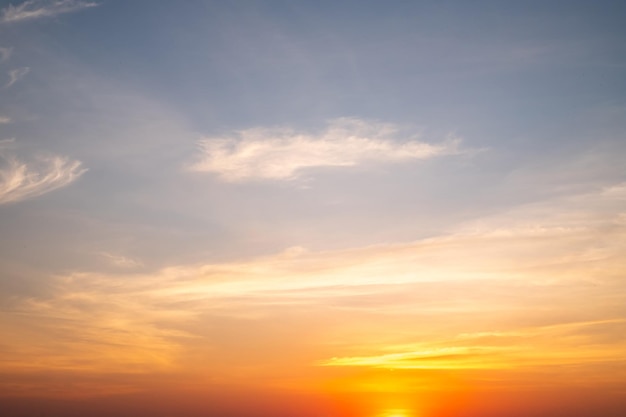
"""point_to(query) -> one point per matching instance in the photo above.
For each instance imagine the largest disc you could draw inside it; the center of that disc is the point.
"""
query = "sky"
(312, 208)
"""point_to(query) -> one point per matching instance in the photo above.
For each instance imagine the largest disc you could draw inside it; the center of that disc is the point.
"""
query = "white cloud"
(20, 180)
(37, 9)
(561, 241)
(121, 261)
(16, 75)
(5, 53)
(5, 120)
(281, 154)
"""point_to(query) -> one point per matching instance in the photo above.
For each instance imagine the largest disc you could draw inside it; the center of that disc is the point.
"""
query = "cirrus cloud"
(21, 180)
(16, 75)
(36, 9)
(522, 298)
(282, 154)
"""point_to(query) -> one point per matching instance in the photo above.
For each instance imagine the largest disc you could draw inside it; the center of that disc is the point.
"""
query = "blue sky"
(534, 93)
(131, 86)
(140, 138)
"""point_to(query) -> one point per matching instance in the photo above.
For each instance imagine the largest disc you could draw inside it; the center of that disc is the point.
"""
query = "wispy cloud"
(497, 350)
(37, 9)
(456, 357)
(16, 75)
(5, 53)
(282, 154)
(21, 180)
(509, 293)
(121, 261)
(5, 120)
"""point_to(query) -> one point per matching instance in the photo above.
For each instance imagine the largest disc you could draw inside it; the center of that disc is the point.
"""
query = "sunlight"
(396, 412)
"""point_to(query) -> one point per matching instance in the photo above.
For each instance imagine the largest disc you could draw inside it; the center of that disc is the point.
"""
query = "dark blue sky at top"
(440, 64)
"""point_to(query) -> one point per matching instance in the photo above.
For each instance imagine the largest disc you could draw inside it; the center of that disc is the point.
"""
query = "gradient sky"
(313, 208)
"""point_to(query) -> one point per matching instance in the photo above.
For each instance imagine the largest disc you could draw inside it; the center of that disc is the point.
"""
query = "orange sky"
(525, 320)
(526, 317)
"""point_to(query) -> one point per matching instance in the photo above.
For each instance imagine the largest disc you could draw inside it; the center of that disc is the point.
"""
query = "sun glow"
(396, 412)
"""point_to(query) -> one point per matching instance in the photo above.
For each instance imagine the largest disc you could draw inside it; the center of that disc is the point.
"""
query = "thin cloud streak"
(16, 75)
(500, 351)
(457, 357)
(121, 261)
(37, 9)
(282, 154)
(20, 180)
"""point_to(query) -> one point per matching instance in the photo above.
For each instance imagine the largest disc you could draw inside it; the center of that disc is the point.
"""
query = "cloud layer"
(37, 9)
(282, 154)
(21, 180)
(525, 289)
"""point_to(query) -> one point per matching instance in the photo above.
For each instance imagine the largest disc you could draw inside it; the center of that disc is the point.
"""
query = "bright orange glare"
(396, 413)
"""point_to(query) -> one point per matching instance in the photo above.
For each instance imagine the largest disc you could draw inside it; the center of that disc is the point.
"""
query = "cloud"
(5, 53)
(37, 9)
(456, 357)
(281, 154)
(20, 180)
(121, 261)
(560, 345)
(572, 238)
(5, 120)
(6, 144)
(512, 291)
(16, 75)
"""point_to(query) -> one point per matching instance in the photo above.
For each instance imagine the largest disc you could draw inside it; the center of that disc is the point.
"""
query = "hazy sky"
(313, 208)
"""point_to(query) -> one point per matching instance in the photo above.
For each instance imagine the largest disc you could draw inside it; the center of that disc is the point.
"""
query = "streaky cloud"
(121, 261)
(5, 120)
(282, 154)
(21, 180)
(37, 9)
(500, 284)
(16, 75)
(456, 357)
(497, 350)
